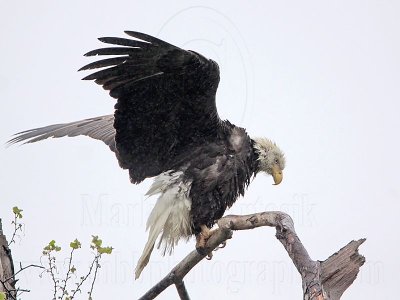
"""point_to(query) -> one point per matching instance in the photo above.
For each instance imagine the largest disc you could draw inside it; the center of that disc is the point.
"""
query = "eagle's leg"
(202, 238)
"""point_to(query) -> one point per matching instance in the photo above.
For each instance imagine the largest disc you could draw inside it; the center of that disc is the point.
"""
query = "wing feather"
(99, 128)
(124, 42)
(148, 38)
(113, 51)
(166, 101)
(105, 63)
(165, 104)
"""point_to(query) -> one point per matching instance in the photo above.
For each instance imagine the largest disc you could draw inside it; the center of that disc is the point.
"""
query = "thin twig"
(15, 230)
(95, 275)
(52, 268)
(84, 278)
(21, 269)
(64, 288)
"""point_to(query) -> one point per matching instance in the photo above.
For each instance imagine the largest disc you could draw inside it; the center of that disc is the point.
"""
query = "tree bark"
(340, 270)
(7, 278)
(325, 280)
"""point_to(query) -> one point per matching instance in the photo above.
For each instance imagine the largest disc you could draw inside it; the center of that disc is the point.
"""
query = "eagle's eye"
(276, 161)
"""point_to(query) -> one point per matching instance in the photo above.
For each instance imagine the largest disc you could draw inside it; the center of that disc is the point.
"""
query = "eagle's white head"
(270, 158)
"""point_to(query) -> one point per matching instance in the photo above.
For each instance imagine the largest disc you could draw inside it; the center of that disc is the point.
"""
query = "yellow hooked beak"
(277, 174)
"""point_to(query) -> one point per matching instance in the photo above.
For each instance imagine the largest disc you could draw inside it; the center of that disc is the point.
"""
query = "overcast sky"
(321, 78)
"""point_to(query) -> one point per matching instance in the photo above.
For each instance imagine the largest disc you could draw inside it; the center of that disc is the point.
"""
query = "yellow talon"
(202, 237)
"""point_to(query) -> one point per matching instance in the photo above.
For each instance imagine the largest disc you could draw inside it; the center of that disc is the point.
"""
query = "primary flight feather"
(166, 125)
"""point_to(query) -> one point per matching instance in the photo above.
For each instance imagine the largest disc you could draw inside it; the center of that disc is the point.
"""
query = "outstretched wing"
(99, 128)
(166, 101)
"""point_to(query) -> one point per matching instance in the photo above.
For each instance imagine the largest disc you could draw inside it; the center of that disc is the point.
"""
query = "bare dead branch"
(7, 272)
(325, 280)
(7, 276)
(180, 270)
(340, 270)
(285, 233)
(182, 292)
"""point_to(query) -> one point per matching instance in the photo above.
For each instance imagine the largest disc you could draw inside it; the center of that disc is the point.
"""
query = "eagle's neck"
(256, 158)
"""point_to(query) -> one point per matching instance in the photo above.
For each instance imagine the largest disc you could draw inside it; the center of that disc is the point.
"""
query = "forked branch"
(325, 280)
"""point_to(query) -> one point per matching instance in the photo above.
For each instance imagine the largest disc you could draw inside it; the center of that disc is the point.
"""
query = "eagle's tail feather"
(157, 220)
(155, 223)
(170, 216)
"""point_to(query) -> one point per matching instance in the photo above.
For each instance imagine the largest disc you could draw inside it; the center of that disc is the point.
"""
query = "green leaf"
(51, 246)
(3, 296)
(96, 241)
(17, 212)
(96, 244)
(75, 244)
(105, 250)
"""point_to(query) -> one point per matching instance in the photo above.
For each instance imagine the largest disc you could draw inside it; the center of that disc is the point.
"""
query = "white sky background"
(321, 78)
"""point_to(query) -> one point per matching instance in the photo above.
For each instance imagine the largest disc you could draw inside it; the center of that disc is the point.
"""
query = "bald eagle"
(166, 125)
